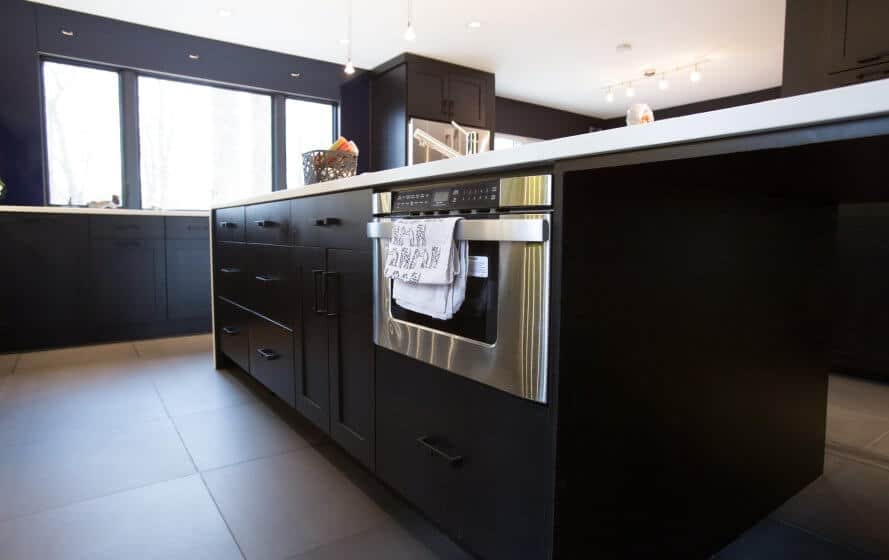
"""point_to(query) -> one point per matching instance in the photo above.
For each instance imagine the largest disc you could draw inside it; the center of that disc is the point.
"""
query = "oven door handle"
(504, 230)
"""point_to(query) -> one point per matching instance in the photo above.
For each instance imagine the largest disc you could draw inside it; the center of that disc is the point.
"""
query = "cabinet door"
(342, 219)
(271, 357)
(128, 279)
(858, 33)
(427, 86)
(188, 279)
(468, 95)
(44, 282)
(271, 288)
(312, 379)
(232, 331)
(350, 307)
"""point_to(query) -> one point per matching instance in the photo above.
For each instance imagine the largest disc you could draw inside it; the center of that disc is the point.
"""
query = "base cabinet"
(271, 357)
(233, 331)
(312, 378)
(474, 459)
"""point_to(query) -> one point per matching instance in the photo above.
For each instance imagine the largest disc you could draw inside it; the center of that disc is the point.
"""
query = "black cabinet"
(233, 333)
(128, 279)
(271, 291)
(349, 292)
(312, 377)
(230, 271)
(271, 357)
(229, 224)
(269, 223)
(188, 269)
(428, 94)
(858, 35)
(473, 459)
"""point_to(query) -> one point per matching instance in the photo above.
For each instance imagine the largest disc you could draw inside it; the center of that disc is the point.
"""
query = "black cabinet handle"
(265, 278)
(432, 445)
(265, 223)
(332, 310)
(872, 75)
(874, 58)
(229, 270)
(267, 354)
(326, 221)
(231, 331)
(228, 225)
(316, 307)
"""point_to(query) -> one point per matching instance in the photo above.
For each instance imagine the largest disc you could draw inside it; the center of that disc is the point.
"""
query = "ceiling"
(559, 53)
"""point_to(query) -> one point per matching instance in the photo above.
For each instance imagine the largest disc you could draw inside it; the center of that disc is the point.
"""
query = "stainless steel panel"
(517, 361)
(530, 191)
(481, 230)
(382, 203)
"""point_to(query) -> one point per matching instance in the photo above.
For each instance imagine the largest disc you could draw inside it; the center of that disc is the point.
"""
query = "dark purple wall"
(537, 121)
(28, 28)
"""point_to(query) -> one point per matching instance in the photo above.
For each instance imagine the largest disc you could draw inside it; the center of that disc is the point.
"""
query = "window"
(509, 141)
(309, 126)
(82, 112)
(202, 145)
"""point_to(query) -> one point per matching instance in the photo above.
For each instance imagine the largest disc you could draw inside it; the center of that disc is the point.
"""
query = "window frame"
(128, 79)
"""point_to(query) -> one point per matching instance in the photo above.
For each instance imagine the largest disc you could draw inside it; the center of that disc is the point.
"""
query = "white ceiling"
(559, 53)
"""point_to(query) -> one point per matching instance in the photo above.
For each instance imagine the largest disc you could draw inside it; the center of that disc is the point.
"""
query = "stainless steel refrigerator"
(433, 141)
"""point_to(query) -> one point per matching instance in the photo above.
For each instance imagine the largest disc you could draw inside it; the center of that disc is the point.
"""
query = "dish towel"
(428, 266)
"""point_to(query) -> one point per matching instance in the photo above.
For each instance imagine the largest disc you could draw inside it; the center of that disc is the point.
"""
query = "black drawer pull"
(331, 295)
(874, 58)
(327, 221)
(318, 307)
(231, 331)
(431, 444)
(228, 225)
(229, 270)
(265, 223)
(267, 354)
(264, 278)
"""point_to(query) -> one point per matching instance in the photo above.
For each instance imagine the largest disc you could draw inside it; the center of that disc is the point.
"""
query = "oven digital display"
(440, 196)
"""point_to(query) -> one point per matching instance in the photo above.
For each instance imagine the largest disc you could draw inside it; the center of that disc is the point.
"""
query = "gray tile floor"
(145, 451)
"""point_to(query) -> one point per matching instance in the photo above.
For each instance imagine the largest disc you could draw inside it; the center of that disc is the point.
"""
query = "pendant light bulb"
(350, 68)
(695, 75)
(410, 34)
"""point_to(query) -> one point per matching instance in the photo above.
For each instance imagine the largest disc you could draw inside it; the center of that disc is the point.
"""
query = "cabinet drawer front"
(869, 74)
(472, 458)
(269, 223)
(188, 227)
(229, 224)
(231, 270)
(127, 227)
(271, 357)
(333, 220)
(271, 288)
(232, 330)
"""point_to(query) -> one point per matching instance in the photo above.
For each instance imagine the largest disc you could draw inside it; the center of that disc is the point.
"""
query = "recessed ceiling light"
(223, 12)
(194, 56)
(624, 47)
(474, 24)
(295, 74)
(66, 32)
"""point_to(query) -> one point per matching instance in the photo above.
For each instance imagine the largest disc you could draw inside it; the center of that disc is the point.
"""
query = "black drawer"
(230, 266)
(269, 223)
(233, 333)
(473, 459)
(271, 357)
(188, 227)
(271, 286)
(127, 227)
(229, 224)
(332, 220)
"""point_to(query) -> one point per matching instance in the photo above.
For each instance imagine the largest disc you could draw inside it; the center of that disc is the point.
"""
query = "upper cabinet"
(444, 92)
(858, 33)
(834, 43)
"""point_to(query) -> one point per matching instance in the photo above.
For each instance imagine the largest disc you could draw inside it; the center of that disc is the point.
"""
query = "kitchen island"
(687, 270)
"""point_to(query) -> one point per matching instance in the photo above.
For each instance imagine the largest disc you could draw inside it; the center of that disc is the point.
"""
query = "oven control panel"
(471, 196)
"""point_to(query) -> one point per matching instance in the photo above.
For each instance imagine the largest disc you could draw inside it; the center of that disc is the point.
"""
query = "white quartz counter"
(101, 211)
(858, 101)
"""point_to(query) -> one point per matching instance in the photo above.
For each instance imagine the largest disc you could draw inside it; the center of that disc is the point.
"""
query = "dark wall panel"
(355, 116)
(21, 152)
(537, 121)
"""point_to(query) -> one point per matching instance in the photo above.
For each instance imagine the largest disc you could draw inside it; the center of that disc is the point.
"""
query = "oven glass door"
(477, 317)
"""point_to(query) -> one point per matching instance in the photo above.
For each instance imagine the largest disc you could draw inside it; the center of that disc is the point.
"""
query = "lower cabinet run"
(294, 308)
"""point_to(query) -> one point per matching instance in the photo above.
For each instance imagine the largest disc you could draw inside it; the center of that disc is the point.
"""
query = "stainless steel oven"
(499, 335)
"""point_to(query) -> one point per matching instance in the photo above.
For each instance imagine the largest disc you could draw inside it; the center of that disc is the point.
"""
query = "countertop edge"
(102, 211)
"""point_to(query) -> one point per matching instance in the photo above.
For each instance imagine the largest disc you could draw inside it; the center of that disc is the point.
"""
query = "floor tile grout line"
(199, 473)
(254, 459)
(97, 497)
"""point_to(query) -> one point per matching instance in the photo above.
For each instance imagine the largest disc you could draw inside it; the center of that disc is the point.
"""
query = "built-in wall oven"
(499, 335)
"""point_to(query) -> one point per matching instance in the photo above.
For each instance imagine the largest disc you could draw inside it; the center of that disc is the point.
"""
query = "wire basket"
(327, 165)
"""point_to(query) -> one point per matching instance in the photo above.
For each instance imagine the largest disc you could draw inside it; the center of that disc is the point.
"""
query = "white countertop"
(101, 211)
(857, 101)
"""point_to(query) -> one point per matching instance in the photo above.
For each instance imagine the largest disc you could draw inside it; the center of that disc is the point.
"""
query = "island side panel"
(694, 356)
